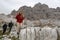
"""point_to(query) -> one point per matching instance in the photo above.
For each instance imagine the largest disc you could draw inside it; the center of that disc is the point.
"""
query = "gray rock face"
(29, 33)
(58, 33)
(39, 11)
(37, 33)
(48, 34)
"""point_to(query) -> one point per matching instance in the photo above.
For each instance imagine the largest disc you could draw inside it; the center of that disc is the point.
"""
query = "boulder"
(48, 33)
(37, 33)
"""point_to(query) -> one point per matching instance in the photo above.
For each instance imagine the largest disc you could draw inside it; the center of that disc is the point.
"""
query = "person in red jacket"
(19, 18)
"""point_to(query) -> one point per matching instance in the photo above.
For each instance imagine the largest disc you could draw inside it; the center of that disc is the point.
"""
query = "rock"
(58, 33)
(5, 38)
(34, 33)
(28, 23)
(48, 34)
(30, 33)
(37, 33)
(13, 32)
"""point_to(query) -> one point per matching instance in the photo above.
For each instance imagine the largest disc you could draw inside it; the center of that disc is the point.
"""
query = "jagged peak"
(44, 5)
(58, 8)
(13, 10)
(38, 4)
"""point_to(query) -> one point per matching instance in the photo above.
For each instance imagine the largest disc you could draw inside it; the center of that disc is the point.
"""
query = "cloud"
(6, 6)
(51, 3)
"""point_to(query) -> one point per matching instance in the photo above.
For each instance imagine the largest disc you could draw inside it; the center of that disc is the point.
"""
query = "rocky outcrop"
(37, 33)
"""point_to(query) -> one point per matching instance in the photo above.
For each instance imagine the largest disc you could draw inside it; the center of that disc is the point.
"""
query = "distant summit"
(39, 11)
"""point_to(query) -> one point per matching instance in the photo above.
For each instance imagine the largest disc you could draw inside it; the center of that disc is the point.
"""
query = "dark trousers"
(10, 29)
(4, 30)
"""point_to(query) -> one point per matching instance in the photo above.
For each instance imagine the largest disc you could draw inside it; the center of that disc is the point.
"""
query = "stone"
(48, 33)
(29, 33)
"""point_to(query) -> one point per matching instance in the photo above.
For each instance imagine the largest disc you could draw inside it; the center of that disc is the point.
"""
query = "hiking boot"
(18, 34)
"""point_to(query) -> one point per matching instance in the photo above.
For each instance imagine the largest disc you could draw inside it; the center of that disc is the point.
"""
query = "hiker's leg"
(4, 30)
(18, 28)
(20, 25)
(10, 29)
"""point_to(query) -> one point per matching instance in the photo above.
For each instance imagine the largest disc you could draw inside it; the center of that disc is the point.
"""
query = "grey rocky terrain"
(43, 23)
(39, 11)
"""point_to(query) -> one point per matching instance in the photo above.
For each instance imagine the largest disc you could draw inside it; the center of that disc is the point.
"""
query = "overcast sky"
(6, 6)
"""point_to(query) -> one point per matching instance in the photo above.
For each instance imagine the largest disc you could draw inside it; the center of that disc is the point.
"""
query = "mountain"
(39, 11)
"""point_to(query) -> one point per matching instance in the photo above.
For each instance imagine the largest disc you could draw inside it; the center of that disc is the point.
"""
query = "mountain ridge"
(39, 11)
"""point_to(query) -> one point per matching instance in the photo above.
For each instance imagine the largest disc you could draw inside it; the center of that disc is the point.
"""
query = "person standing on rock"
(19, 18)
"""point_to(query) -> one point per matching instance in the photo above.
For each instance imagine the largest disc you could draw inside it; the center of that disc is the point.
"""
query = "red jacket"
(19, 18)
